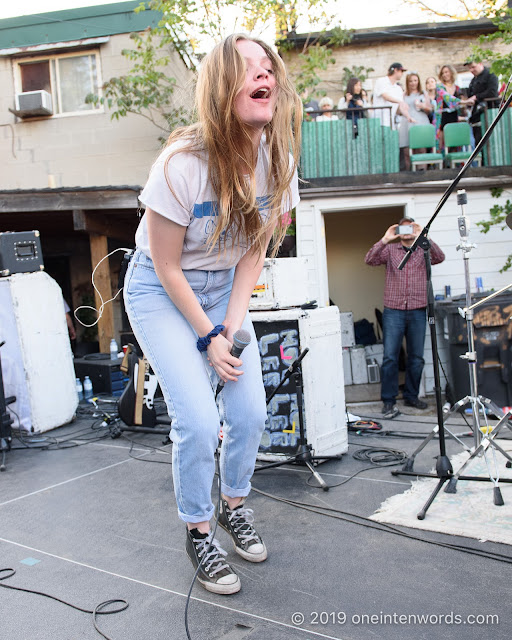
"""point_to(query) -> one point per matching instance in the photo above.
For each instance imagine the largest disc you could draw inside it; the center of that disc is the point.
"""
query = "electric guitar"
(136, 404)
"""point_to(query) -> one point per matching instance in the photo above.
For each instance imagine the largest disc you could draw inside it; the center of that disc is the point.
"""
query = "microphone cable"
(353, 518)
(103, 303)
(98, 609)
(241, 339)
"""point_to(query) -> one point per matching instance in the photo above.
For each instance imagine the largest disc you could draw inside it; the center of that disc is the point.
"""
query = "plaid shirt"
(406, 289)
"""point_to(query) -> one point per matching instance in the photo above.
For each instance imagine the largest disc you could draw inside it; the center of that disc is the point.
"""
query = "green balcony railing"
(498, 151)
(331, 149)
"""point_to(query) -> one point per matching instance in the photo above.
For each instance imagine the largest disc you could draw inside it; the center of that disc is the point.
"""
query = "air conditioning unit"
(33, 103)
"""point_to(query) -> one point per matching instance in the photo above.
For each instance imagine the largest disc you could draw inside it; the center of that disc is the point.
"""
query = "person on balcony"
(430, 91)
(448, 100)
(405, 302)
(326, 105)
(353, 101)
(389, 93)
(483, 86)
(420, 106)
(310, 106)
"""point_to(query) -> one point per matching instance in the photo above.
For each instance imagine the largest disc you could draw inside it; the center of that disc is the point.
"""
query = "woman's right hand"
(220, 358)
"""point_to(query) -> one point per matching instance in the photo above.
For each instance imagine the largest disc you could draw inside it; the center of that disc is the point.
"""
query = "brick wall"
(425, 56)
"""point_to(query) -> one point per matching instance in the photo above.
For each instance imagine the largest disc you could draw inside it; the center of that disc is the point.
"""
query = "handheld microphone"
(241, 339)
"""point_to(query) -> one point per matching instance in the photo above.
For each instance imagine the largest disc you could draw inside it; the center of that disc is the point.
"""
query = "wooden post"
(99, 249)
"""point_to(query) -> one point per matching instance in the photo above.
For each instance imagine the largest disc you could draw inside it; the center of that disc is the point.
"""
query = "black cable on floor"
(219, 498)
(148, 446)
(353, 518)
(98, 610)
(379, 457)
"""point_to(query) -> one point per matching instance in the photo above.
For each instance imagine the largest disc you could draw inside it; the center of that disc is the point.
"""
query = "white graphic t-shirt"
(384, 85)
(194, 206)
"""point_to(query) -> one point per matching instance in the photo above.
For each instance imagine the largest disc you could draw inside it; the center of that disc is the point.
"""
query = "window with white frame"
(68, 78)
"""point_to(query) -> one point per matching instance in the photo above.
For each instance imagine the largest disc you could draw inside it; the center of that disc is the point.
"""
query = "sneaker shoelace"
(213, 555)
(241, 520)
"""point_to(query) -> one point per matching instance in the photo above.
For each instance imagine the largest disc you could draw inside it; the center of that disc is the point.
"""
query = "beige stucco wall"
(86, 150)
(353, 285)
(426, 56)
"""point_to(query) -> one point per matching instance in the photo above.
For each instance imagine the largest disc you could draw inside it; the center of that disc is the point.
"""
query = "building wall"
(80, 150)
(356, 287)
(349, 236)
(426, 56)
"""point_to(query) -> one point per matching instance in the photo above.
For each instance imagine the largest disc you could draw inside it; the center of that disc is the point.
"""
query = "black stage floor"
(90, 523)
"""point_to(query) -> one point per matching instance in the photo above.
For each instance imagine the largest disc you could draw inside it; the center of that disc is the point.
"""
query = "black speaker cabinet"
(105, 374)
(493, 346)
(20, 252)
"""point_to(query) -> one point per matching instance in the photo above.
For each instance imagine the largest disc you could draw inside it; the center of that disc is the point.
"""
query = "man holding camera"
(405, 303)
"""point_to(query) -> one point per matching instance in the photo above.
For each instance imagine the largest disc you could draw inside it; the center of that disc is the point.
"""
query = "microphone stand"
(303, 454)
(444, 470)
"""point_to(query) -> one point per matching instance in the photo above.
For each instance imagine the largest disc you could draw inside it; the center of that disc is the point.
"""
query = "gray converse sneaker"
(215, 574)
(238, 523)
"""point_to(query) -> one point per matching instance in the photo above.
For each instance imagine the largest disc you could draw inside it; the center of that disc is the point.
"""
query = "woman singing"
(215, 197)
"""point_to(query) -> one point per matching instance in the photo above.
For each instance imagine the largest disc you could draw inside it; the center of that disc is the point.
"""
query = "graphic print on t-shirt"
(209, 209)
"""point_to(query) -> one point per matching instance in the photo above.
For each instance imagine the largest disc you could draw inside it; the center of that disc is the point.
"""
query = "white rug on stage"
(470, 512)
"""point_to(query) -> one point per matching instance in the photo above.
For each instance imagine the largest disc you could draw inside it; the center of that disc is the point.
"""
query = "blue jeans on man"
(397, 323)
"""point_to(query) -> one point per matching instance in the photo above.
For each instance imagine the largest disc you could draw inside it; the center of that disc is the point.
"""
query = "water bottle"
(113, 349)
(79, 390)
(87, 388)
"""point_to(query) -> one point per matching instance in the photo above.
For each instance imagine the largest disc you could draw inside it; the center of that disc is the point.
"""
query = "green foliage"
(292, 227)
(88, 316)
(498, 214)
(188, 28)
(147, 90)
(354, 72)
(501, 63)
(316, 56)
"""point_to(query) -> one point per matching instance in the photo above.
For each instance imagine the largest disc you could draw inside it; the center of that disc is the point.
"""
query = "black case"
(20, 252)
(105, 374)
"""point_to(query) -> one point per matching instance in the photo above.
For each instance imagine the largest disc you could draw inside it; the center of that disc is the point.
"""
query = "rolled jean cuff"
(196, 519)
(235, 493)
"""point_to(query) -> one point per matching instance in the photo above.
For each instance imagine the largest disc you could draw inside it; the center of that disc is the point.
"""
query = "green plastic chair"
(458, 134)
(423, 136)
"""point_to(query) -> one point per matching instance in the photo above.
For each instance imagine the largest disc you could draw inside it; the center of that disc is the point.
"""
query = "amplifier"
(283, 283)
(105, 374)
(20, 252)
(282, 335)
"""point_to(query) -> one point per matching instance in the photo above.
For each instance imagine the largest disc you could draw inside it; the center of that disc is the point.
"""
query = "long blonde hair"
(227, 142)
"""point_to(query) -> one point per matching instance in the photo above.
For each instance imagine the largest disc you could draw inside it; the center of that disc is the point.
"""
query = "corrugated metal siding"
(75, 24)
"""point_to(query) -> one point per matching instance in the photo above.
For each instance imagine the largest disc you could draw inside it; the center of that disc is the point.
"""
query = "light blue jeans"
(169, 344)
